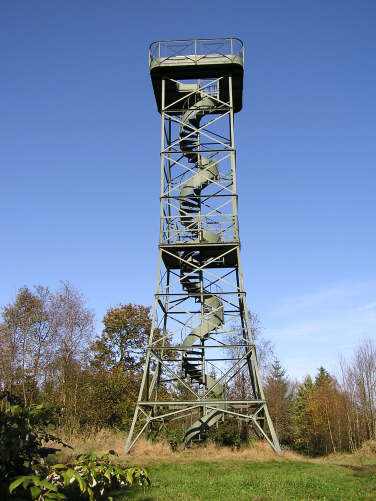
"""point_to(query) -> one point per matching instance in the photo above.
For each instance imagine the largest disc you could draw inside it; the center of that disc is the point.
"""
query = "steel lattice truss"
(201, 335)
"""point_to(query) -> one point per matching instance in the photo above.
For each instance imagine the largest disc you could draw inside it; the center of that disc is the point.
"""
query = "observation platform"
(202, 59)
(219, 255)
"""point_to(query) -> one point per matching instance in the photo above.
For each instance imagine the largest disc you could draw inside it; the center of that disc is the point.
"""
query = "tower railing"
(196, 50)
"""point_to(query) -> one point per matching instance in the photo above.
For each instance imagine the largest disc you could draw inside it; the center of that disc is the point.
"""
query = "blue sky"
(79, 158)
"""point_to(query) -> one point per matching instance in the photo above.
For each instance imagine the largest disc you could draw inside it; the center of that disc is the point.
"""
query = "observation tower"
(201, 338)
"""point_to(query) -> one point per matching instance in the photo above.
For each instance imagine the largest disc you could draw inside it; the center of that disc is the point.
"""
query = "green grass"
(266, 481)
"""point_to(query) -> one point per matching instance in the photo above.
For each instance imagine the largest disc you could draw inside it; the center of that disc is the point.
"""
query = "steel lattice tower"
(201, 336)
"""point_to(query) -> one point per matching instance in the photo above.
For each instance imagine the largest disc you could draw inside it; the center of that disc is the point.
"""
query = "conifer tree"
(303, 416)
(278, 392)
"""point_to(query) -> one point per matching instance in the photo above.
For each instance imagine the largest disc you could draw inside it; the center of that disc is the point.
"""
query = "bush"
(23, 465)
(22, 437)
(88, 477)
(226, 433)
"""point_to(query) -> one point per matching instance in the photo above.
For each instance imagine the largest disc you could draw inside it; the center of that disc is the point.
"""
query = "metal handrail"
(235, 48)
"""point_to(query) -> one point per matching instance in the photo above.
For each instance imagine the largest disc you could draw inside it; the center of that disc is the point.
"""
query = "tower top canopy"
(199, 58)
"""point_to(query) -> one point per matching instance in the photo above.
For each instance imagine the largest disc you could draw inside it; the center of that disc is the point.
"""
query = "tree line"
(326, 414)
(50, 353)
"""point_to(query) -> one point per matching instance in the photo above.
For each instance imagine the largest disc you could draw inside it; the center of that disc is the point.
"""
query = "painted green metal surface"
(199, 313)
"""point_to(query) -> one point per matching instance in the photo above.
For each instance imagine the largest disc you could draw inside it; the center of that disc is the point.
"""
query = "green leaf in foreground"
(87, 477)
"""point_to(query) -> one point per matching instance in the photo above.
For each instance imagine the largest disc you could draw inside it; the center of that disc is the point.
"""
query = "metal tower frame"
(201, 335)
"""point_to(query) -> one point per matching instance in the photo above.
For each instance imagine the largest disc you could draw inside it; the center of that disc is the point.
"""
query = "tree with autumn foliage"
(49, 355)
(44, 337)
(124, 338)
(24, 337)
(321, 417)
(117, 361)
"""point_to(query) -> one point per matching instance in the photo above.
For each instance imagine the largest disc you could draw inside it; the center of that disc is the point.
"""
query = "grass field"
(221, 474)
(261, 481)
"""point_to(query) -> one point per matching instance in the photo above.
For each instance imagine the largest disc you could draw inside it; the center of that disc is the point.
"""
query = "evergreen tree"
(279, 395)
(303, 416)
(322, 378)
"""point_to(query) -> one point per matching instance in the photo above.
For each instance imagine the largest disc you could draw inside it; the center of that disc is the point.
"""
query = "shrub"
(226, 433)
(88, 477)
(23, 465)
(22, 437)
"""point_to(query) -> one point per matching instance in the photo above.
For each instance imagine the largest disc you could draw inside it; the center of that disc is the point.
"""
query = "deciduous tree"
(25, 336)
(117, 362)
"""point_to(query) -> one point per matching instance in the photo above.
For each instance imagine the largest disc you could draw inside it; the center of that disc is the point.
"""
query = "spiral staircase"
(190, 275)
